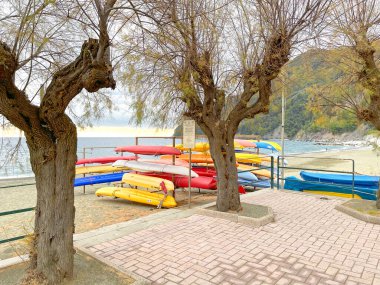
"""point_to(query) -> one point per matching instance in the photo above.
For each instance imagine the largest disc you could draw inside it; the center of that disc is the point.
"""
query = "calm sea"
(17, 165)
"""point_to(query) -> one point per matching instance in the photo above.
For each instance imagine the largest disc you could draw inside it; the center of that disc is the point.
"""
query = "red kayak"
(104, 159)
(149, 150)
(183, 181)
(201, 182)
(205, 171)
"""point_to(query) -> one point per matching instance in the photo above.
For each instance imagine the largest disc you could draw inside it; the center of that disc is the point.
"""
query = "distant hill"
(305, 112)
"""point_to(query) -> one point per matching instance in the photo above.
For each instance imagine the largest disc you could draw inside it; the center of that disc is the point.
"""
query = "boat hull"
(138, 196)
(340, 190)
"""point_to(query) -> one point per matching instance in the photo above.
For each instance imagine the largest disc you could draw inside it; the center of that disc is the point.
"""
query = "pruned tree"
(356, 25)
(214, 61)
(51, 51)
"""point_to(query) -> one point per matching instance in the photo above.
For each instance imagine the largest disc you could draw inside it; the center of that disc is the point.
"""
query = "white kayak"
(155, 167)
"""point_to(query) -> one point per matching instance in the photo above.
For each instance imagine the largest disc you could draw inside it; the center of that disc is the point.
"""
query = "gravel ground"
(91, 212)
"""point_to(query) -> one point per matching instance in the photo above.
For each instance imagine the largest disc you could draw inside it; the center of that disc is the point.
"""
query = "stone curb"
(358, 215)
(248, 221)
(13, 261)
(139, 280)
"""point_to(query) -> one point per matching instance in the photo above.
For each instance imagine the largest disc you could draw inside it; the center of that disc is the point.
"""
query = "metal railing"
(17, 211)
(281, 166)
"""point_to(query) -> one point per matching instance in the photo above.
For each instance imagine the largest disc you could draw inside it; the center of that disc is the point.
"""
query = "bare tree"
(39, 77)
(214, 61)
(355, 28)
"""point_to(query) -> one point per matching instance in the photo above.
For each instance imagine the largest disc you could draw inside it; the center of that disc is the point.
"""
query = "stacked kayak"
(98, 179)
(149, 150)
(201, 182)
(155, 167)
(98, 169)
(334, 184)
(359, 180)
(164, 199)
(104, 159)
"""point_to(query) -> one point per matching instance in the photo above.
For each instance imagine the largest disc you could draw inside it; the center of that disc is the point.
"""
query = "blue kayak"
(249, 176)
(323, 188)
(259, 183)
(360, 180)
(98, 179)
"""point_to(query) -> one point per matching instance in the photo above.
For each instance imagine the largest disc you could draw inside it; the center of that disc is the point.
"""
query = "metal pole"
(84, 175)
(278, 172)
(189, 178)
(136, 143)
(353, 179)
(271, 172)
(282, 132)
(173, 160)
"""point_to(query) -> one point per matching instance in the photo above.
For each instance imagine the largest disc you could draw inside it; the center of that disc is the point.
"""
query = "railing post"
(278, 172)
(84, 175)
(353, 179)
(271, 172)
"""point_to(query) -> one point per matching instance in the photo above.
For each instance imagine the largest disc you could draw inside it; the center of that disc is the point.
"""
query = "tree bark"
(223, 153)
(52, 141)
(53, 162)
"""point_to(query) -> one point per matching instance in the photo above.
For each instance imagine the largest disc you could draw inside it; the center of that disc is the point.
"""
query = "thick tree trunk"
(223, 154)
(53, 162)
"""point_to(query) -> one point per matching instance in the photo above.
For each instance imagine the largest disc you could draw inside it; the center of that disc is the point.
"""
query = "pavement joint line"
(139, 280)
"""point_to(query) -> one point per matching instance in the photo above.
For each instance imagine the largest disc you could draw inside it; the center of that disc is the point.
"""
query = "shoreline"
(295, 154)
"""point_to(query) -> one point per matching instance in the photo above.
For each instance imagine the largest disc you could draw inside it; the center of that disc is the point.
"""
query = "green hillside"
(309, 75)
(305, 74)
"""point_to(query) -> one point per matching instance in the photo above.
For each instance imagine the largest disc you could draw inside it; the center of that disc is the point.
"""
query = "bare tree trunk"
(223, 153)
(53, 162)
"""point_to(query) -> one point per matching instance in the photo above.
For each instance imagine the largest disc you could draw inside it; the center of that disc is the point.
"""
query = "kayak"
(145, 181)
(201, 182)
(247, 176)
(322, 188)
(149, 150)
(139, 196)
(98, 169)
(258, 183)
(155, 167)
(178, 162)
(195, 158)
(360, 180)
(258, 172)
(98, 179)
(200, 147)
(205, 171)
(247, 158)
(245, 143)
(105, 159)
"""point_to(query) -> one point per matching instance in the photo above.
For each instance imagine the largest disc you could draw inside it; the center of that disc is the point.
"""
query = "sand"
(366, 161)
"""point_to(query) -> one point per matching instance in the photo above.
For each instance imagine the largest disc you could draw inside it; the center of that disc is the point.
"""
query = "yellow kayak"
(139, 196)
(247, 158)
(259, 172)
(195, 157)
(200, 147)
(147, 181)
(98, 169)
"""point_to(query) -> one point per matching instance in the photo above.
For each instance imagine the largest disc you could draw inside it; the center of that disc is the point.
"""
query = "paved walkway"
(310, 243)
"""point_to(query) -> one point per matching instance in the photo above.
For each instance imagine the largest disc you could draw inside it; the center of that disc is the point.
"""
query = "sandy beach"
(366, 161)
(93, 212)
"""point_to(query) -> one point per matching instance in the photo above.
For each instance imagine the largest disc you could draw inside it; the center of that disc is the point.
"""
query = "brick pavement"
(310, 243)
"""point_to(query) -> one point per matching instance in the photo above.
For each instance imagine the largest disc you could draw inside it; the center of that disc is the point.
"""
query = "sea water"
(14, 162)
